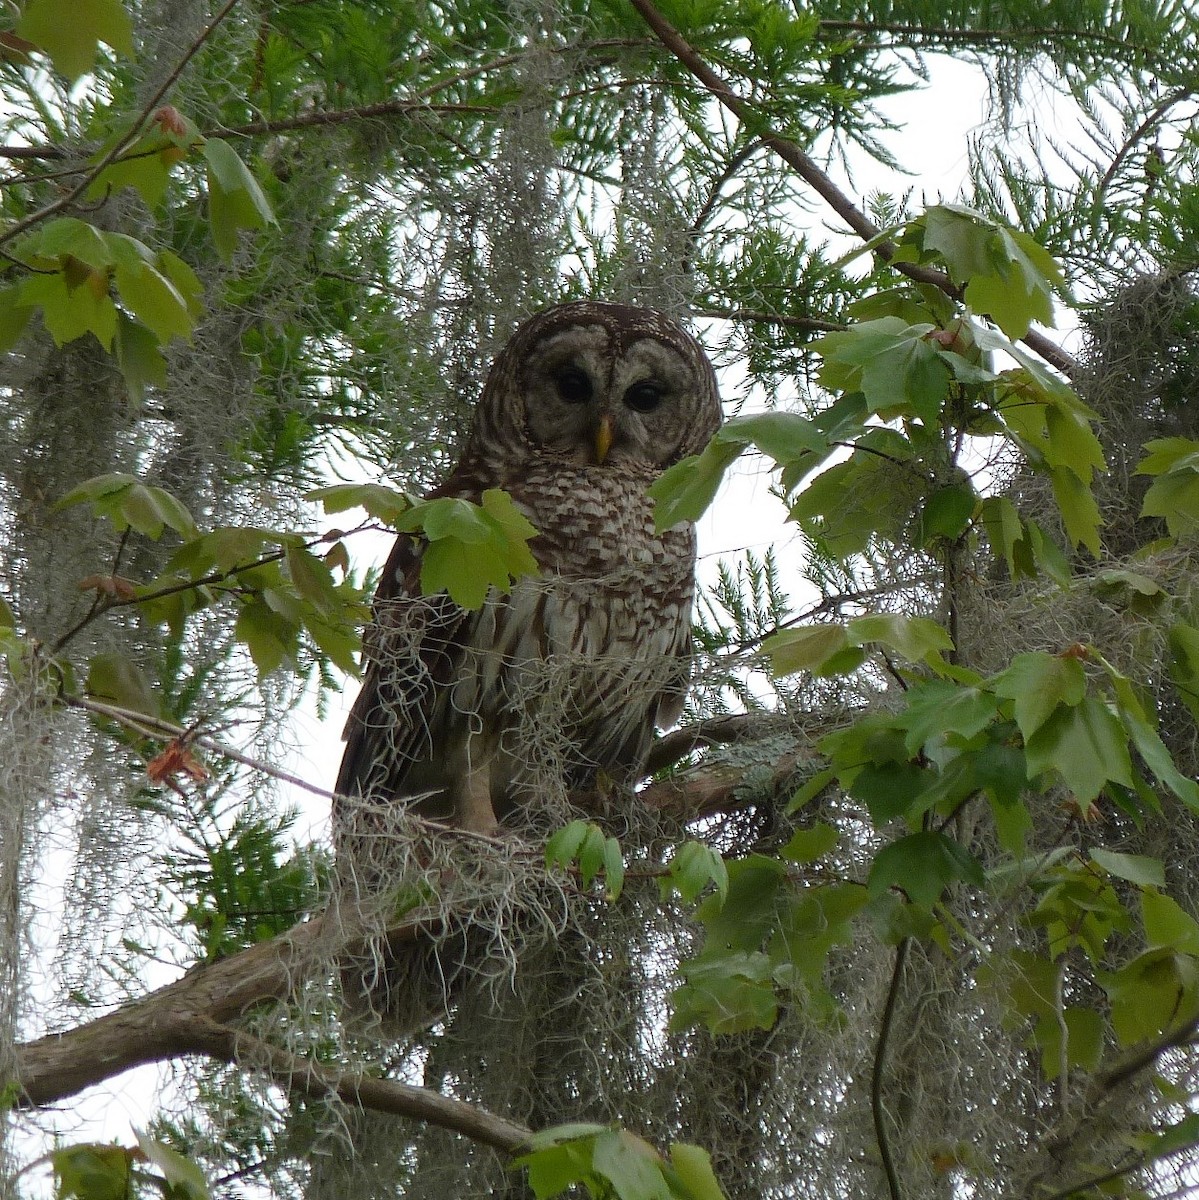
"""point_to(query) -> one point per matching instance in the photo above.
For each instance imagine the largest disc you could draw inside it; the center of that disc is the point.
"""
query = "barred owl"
(582, 410)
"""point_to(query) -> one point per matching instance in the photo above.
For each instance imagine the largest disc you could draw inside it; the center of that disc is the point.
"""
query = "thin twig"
(1156, 113)
(809, 324)
(157, 727)
(1080, 1186)
(1120, 1074)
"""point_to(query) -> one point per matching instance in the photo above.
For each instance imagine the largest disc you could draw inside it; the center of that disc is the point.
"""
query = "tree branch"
(713, 731)
(877, 1108)
(193, 1014)
(190, 1017)
(389, 1096)
(804, 166)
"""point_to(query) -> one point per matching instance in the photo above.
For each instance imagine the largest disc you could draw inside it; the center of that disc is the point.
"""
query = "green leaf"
(14, 317)
(1136, 868)
(1086, 745)
(1038, 683)
(1184, 665)
(1071, 441)
(843, 508)
(155, 301)
(823, 918)
(692, 867)
(631, 1165)
(185, 1180)
(917, 638)
(684, 491)
(923, 865)
(936, 708)
(810, 790)
(70, 312)
(804, 649)
(1080, 513)
(1046, 555)
(1005, 532)
(313, 580)
(224, 548)
(70, 30)
(498, 505)
(892, 363)
(1151, 993)
(91, 1172)
(184, 280)
(613, 869)
(569, 1131)
(128, 503)
(235, 201)
(947, 513)
(1169, 454)
(564, 845)
(1084, 1030)
(1167, 924)
(139, 358)
(890, 789)
(808, 845)
(1175, 498)
(1182, 1135)
(553, 1168)
(728, 993)
(471, 550)
(693, 1166)
(747, 912)
(270, 639)
(383, 503)
(465, 571)
(114, 678)
(783, 436)
(1007, 275)
(1150, 745)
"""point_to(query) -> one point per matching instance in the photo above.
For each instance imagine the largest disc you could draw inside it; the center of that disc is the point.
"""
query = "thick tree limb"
(804, 166)
(190, 1016)
(170, 1022)
(197, 1014)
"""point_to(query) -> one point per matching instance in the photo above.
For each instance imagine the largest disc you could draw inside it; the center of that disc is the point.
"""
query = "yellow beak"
(603, 438)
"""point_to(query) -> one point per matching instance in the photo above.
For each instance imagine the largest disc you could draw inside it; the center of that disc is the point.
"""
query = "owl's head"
(603, 384)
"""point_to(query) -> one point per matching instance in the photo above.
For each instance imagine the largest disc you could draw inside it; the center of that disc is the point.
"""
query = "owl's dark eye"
(574, 385)
(643, 397)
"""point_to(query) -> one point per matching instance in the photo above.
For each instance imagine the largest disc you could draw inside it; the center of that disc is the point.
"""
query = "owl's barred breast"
(579, 664)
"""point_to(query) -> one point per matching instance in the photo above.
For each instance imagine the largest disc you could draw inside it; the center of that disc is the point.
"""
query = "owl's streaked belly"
(577, 666)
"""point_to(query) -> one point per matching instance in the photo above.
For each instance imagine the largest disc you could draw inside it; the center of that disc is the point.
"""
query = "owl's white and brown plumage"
(583, 408)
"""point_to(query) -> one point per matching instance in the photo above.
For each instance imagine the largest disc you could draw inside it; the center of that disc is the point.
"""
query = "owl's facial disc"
(594, 403)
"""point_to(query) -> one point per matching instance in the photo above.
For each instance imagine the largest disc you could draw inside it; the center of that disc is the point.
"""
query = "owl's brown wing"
(413, 648)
